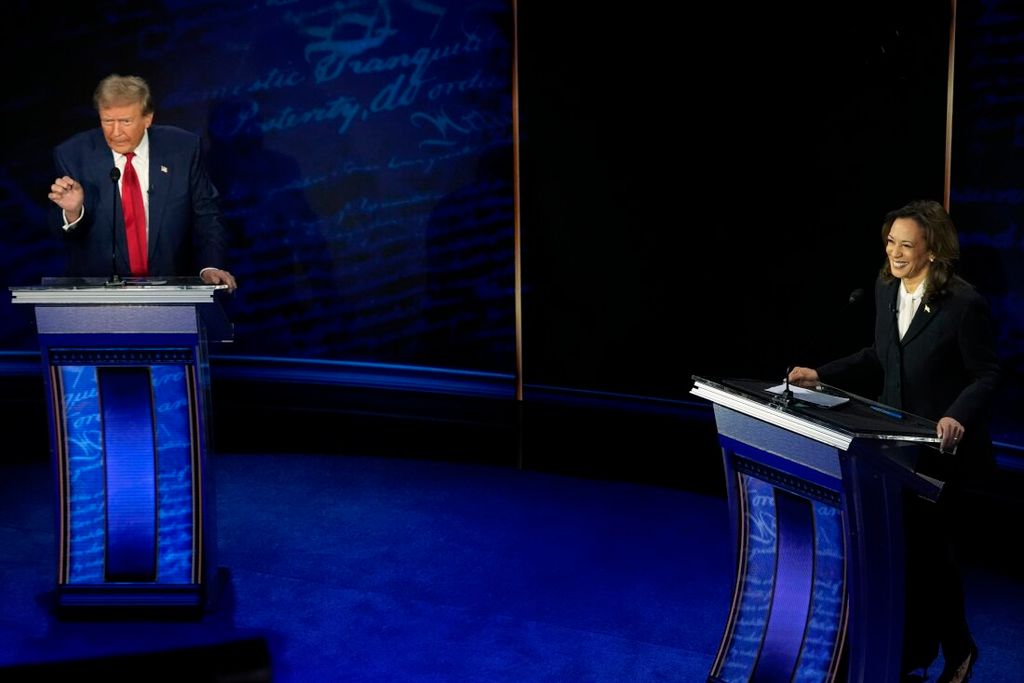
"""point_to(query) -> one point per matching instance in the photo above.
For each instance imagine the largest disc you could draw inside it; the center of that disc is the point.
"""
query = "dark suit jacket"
(945, 365)
(185, 228)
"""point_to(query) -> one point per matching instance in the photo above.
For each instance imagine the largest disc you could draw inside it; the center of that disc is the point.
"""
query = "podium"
(816, 498)
(127, 385)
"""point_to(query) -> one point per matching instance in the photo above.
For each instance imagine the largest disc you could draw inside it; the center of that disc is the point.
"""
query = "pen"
(885, 411)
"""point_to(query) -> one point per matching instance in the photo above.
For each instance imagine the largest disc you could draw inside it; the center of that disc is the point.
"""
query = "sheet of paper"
(810, 396)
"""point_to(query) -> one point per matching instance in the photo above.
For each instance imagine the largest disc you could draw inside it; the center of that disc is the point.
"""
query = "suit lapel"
(926, 312)
(887, 307)
(159, 180)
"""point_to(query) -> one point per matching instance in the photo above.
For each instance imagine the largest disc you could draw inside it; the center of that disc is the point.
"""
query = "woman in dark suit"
(934, 349)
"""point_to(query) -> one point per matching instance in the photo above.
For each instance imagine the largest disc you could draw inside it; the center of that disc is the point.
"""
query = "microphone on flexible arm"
(784, 398)
(115, 175)
(787, 395)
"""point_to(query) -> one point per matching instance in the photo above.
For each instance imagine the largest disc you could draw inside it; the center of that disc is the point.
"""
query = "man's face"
(124, 125)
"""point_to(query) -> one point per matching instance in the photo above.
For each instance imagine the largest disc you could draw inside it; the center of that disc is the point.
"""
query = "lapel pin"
(163, 169)
(927, 309)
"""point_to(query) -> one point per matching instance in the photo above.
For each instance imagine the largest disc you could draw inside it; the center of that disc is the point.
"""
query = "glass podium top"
(850, 416)
(149, 290)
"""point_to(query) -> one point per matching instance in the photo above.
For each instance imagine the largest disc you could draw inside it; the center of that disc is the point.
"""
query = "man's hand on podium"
(216, 276)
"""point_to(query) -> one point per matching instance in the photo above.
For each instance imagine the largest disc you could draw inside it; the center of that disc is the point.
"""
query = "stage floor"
(349, 568)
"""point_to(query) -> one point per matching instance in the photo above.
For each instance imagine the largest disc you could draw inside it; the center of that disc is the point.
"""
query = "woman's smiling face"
(909, 255)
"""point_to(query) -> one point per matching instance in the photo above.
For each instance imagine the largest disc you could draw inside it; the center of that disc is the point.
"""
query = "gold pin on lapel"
(926, 309)
(163, 169)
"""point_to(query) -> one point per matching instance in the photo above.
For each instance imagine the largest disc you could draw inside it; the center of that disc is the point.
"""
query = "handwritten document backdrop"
(362, 150)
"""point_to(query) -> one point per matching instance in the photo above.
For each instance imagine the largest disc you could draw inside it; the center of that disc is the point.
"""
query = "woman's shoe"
(958, 667)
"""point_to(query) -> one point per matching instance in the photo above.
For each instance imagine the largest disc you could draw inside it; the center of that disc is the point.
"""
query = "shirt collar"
(916, 296)
(141, 150)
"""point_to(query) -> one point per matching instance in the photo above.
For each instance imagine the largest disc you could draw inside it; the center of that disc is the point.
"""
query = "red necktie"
(134, 218)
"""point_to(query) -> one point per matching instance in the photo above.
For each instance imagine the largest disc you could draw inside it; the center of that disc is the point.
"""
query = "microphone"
(115, 175)
(787, 395)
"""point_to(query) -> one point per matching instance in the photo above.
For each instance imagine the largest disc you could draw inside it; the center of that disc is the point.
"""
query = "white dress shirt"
(907, 306)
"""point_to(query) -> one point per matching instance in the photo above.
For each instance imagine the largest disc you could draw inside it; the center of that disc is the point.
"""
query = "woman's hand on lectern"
(950, 431)
(804, 377)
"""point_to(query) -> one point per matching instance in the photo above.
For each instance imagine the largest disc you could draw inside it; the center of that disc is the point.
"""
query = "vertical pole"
(949, 103)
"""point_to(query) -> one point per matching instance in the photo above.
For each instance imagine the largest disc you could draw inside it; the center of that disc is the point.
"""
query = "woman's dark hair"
(939, 236)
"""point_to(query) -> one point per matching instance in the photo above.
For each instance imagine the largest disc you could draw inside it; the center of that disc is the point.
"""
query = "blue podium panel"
(126, 461)
(815, 495)
(788, 621)
(127, 380)
(128, 452)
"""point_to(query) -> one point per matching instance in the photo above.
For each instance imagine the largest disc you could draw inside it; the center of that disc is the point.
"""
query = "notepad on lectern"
(809, 396)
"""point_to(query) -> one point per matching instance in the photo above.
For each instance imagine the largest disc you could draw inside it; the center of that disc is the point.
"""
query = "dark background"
(699, 194)
(715, 185)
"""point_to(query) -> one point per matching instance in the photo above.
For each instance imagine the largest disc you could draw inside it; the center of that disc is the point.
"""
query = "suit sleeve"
(853, 370)
(976, 338)
(210, 235)
(55, 218)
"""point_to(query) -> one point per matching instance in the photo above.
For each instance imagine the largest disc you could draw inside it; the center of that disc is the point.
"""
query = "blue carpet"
(367, 569)
(363, 569)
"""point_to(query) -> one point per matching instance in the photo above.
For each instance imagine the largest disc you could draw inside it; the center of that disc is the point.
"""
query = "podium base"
(148, 601)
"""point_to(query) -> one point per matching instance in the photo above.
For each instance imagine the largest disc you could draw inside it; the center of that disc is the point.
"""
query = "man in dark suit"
(182, 234)
(935, 351)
